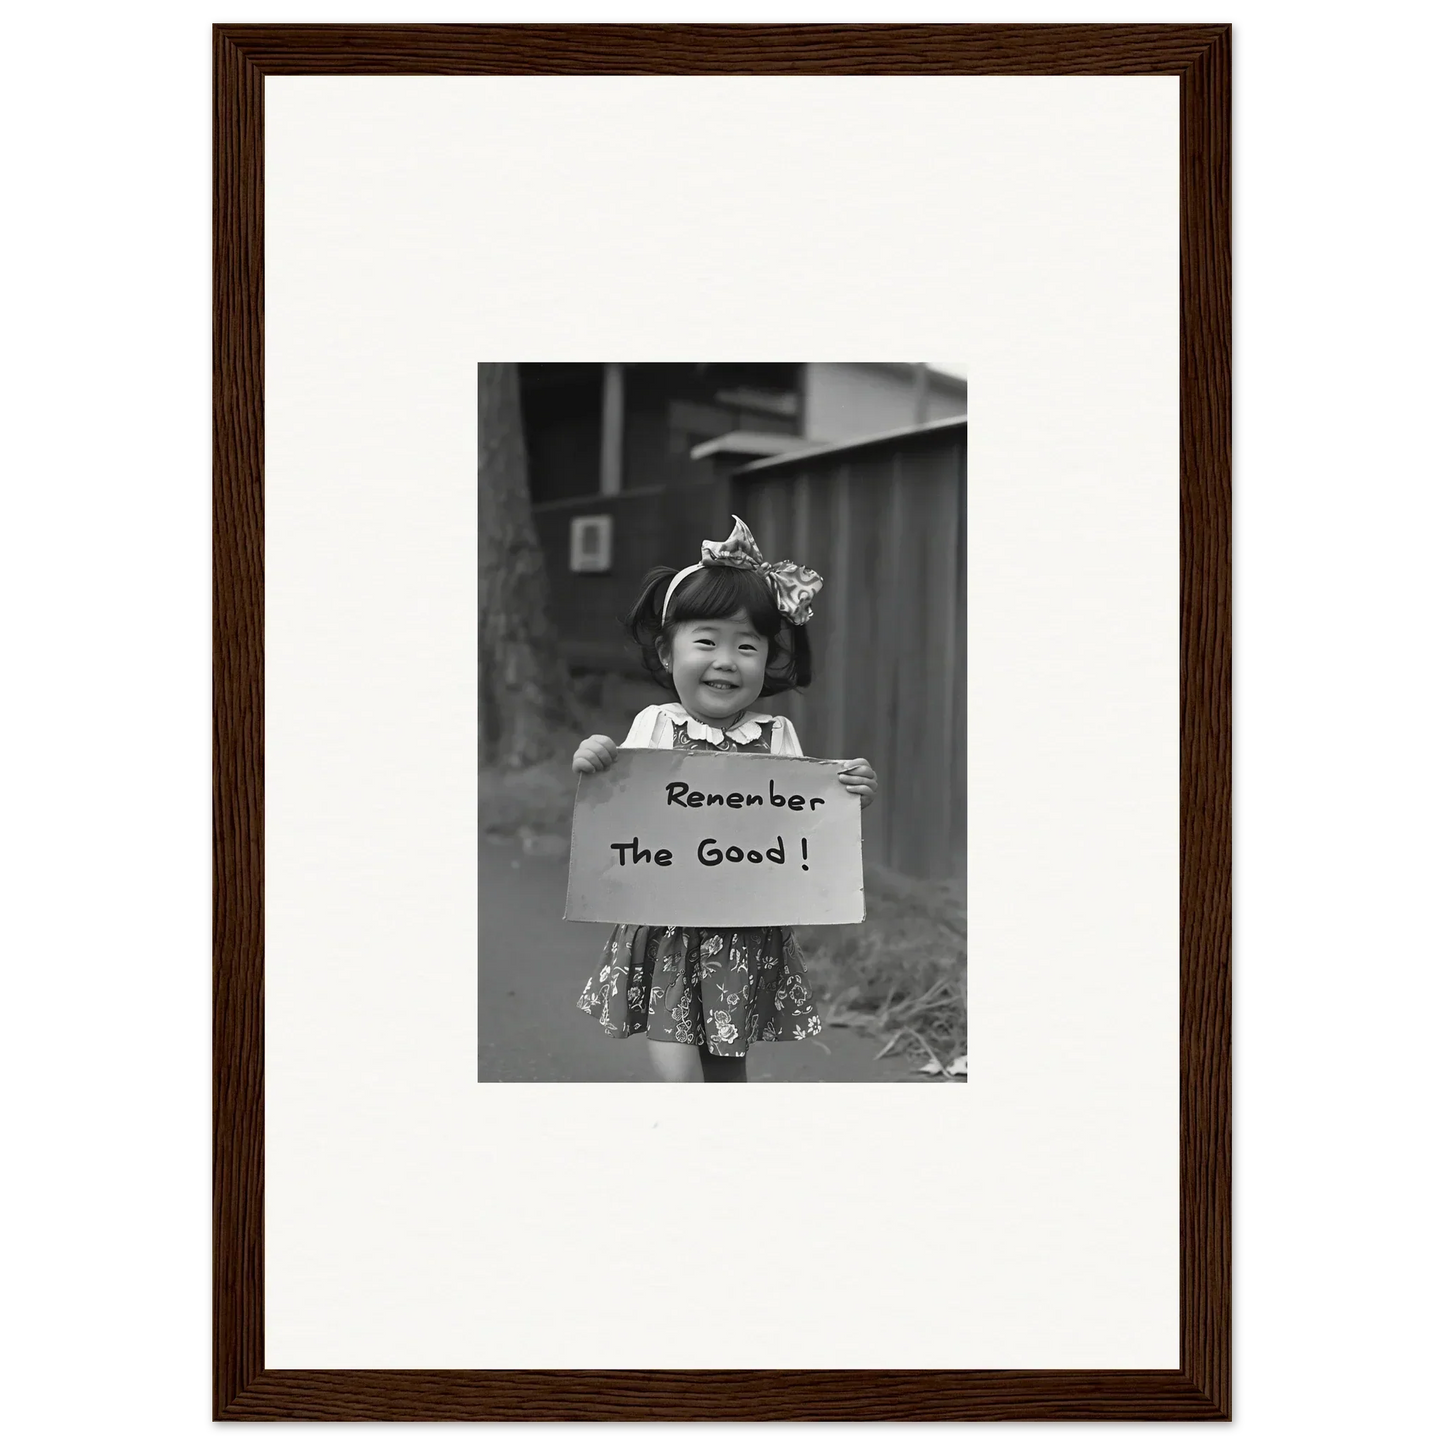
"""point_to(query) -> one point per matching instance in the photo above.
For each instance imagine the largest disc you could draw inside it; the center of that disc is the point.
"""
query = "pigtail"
(793, 666)
(644, 624)
(790, 660)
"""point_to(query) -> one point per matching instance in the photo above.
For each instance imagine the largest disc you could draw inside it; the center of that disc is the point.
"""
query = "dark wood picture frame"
(1199, 56)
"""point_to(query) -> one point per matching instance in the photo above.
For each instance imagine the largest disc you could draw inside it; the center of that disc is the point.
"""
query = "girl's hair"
(715, 592)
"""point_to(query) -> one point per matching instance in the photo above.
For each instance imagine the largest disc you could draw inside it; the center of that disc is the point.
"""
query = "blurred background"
(591, 473)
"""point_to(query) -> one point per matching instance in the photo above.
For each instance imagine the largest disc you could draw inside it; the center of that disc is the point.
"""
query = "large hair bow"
(794, 586)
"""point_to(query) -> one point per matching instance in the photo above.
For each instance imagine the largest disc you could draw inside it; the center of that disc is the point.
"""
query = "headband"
(794, 587)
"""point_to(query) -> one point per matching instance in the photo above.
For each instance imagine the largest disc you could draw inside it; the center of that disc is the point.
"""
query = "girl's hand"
(860, 779)
(594, 755)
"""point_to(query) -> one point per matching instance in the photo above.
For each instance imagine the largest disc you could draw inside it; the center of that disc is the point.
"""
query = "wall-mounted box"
(591, 544)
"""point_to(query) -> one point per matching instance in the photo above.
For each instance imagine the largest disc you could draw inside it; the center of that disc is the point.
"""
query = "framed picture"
(546, 308)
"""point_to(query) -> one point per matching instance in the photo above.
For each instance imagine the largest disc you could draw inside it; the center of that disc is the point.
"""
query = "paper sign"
(715, 840)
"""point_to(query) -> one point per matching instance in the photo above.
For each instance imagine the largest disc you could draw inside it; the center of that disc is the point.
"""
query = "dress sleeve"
(785, 739)
(644, 725)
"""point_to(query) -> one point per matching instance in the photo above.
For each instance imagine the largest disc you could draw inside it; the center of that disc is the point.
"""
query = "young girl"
(717, 635)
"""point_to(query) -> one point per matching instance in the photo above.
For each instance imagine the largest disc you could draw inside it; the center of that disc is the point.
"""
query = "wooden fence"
(885, 522)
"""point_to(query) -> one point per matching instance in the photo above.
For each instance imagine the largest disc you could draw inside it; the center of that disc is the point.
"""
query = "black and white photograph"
(758, 570)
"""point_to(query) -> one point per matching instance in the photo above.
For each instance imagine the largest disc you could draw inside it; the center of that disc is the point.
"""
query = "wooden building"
(634, 466)
(628, 463)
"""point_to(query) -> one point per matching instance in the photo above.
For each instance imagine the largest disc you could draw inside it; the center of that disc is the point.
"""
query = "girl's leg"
(719, 1070)
(675, 1063)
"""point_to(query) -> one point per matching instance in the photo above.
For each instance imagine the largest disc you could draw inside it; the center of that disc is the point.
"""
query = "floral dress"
(721, 988)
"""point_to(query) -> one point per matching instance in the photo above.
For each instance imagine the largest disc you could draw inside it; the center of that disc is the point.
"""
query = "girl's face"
(718, 666)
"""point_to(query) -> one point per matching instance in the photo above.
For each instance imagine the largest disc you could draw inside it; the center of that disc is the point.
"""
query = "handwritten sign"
(715, 840)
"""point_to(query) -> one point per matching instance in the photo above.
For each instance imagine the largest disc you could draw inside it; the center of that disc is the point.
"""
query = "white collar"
(746, 731)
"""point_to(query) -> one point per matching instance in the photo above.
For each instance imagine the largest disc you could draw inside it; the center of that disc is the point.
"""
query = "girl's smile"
(718, 666)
